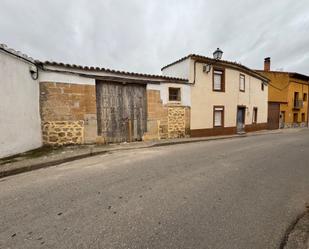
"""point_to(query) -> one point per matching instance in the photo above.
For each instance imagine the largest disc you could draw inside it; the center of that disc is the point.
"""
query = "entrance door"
(121, 111)
(241, 111)
(273, 116)
(282, 120)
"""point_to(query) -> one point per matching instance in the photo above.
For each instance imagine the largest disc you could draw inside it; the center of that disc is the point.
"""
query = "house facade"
(81, 105)
(50, 103)
(288, 98)
(226, 97)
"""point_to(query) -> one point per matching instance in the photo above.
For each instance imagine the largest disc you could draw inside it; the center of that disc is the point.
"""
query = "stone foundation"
(176, 122)
(58, 133)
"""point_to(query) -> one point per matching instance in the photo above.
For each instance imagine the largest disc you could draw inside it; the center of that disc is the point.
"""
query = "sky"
(145, 35)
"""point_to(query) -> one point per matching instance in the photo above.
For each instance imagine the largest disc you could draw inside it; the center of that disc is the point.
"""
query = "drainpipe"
(194, 71)
(307, 106)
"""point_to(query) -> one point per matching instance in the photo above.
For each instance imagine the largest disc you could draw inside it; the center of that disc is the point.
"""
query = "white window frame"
(218, 74)
(218, 110)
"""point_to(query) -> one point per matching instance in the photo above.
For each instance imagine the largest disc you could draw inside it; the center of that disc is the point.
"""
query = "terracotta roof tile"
(107, 70)
(16, 53)
(205, 58)
(87, 68)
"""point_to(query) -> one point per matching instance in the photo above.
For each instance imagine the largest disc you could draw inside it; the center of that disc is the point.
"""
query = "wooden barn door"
(273, 116)
(121, 111)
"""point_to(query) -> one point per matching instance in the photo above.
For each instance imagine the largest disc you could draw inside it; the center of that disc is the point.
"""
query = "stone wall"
(176, 122)
(58, 133)
(166, 121)
(68, 113)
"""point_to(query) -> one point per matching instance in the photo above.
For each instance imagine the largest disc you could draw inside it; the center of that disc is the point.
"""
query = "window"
(297, 102)
(296, 96)
(295, 117)
(262, 86)
(218, 80)
(242, 83)
(254, 115)
(305, 97)
(174, 94)
(303, 117)
(218, 116)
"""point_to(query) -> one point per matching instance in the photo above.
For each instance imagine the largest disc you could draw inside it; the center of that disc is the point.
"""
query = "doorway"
(122, 111)
(273, 115)
(241, 112)
(282, 119)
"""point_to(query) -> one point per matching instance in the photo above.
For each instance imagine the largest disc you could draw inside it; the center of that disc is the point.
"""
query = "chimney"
(267, 64)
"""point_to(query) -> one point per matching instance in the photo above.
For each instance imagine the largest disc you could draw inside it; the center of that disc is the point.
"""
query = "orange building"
(287, 98)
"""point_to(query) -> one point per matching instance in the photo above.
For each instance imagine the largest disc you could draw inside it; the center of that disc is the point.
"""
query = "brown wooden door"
(121, 111)
(273, 116)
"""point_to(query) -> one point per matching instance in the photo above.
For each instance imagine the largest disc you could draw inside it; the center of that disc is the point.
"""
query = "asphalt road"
(233, 194)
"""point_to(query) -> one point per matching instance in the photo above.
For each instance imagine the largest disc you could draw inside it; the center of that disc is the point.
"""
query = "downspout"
(307, 105)
(194, 71)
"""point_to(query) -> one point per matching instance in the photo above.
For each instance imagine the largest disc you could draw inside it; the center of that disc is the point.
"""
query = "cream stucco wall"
(204, 98)
(20, 125)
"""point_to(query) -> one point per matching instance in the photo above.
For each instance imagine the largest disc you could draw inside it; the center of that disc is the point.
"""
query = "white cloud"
(144, 35)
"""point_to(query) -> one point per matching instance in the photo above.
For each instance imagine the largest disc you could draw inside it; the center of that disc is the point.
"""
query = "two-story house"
(288, 98)
(226, 97)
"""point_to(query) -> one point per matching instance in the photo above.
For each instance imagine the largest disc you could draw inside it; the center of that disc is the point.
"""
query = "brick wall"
(157, 114)
(68, 113)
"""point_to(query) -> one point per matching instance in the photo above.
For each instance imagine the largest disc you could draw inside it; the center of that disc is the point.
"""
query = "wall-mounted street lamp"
(34, 72)
(218, 54)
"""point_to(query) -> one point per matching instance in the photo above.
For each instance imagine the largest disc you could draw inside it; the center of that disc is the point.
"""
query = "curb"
(33, 167)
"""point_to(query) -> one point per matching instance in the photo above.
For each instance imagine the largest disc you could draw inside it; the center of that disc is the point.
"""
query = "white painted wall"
(179, 70)
(47, 76)
(164, 93)
(20, 125)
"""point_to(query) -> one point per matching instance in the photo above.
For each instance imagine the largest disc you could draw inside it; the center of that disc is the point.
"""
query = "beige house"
(226, 97)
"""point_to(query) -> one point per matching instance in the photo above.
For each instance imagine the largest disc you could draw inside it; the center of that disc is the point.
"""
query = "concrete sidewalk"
(45, 157)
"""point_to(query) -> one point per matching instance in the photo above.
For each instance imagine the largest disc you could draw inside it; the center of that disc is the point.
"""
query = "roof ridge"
(17, 53)
(103, 69)
(202, 57)
(283, 72)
